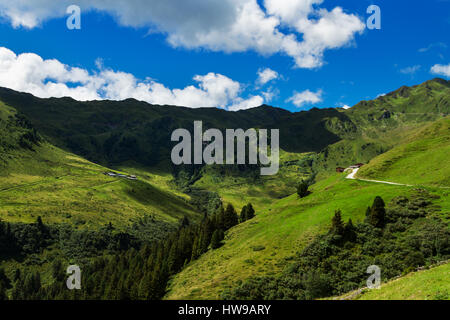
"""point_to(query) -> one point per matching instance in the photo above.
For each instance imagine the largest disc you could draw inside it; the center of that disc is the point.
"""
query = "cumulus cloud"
(266, 75)
(440, 69)
(28, 72)
(299, 99)
(251, 102)
(297, 28)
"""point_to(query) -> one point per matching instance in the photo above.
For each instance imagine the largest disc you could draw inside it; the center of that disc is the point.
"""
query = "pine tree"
(39, 222)
(243, 215)
(302, 189)
(377, 214)
(349, 231)
(217, 238)
(219, 218)
(230, 217)
(337, 225)
(250, 211)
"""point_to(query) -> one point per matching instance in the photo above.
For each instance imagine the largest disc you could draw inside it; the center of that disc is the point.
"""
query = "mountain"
(286, 227)
(124, 134)
(39, 179)
(110, 132)
(54, 153)
(387, 121)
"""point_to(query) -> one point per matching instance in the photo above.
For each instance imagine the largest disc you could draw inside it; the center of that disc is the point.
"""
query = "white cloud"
(441, 70)
(343, 106)
(266, 75)
(410, 70)
(217, 25)
(306, 97)
(241, 104)
(30, 73)
(433, 45)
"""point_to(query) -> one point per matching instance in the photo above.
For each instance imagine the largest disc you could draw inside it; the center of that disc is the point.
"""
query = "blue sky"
(414, 37)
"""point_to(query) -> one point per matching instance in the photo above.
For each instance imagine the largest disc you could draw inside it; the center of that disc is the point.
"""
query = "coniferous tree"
(349, 231)
(302, 189)
(243, 215)
(377, 214)
(39, 222)
(217, 238)
(250, 211)
(337, 225)
(230, 217)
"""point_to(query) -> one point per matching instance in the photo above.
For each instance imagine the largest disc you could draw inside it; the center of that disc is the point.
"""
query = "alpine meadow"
(140, 158)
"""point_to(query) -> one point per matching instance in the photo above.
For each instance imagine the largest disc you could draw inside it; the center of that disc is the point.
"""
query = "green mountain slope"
(110, 132)
(38, 179)
(263, 245)
(386, 122)
(422, 160)
(131, 134)
(49, 175)
(431, 284)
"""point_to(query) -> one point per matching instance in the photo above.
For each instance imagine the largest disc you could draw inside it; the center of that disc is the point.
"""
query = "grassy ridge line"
(263, 245)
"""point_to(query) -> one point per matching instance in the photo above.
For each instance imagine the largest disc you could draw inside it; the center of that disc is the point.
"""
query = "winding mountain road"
(354, 171)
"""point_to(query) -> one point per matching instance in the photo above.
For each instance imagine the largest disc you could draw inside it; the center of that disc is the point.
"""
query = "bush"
(302, 189)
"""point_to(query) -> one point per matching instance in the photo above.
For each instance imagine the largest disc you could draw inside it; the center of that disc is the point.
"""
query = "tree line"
(129, 270)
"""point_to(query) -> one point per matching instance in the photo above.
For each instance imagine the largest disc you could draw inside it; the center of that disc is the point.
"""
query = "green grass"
(421, 160)
(61, 187)
(283, 229)
(431, 284)
(242, 188)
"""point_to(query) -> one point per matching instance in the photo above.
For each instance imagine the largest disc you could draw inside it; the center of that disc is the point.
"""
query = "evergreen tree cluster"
(408, 234)
(138, 271)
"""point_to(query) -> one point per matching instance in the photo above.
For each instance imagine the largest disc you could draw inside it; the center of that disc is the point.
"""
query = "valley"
(54, 153)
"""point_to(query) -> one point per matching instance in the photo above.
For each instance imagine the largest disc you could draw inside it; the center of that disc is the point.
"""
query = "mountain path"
(354, 171)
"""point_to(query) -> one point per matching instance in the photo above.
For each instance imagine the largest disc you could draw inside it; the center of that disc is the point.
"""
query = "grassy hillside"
(421, 160)
(263, 245)
(38, 179)
(431, 284)
(241, 187)
(50, 172)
